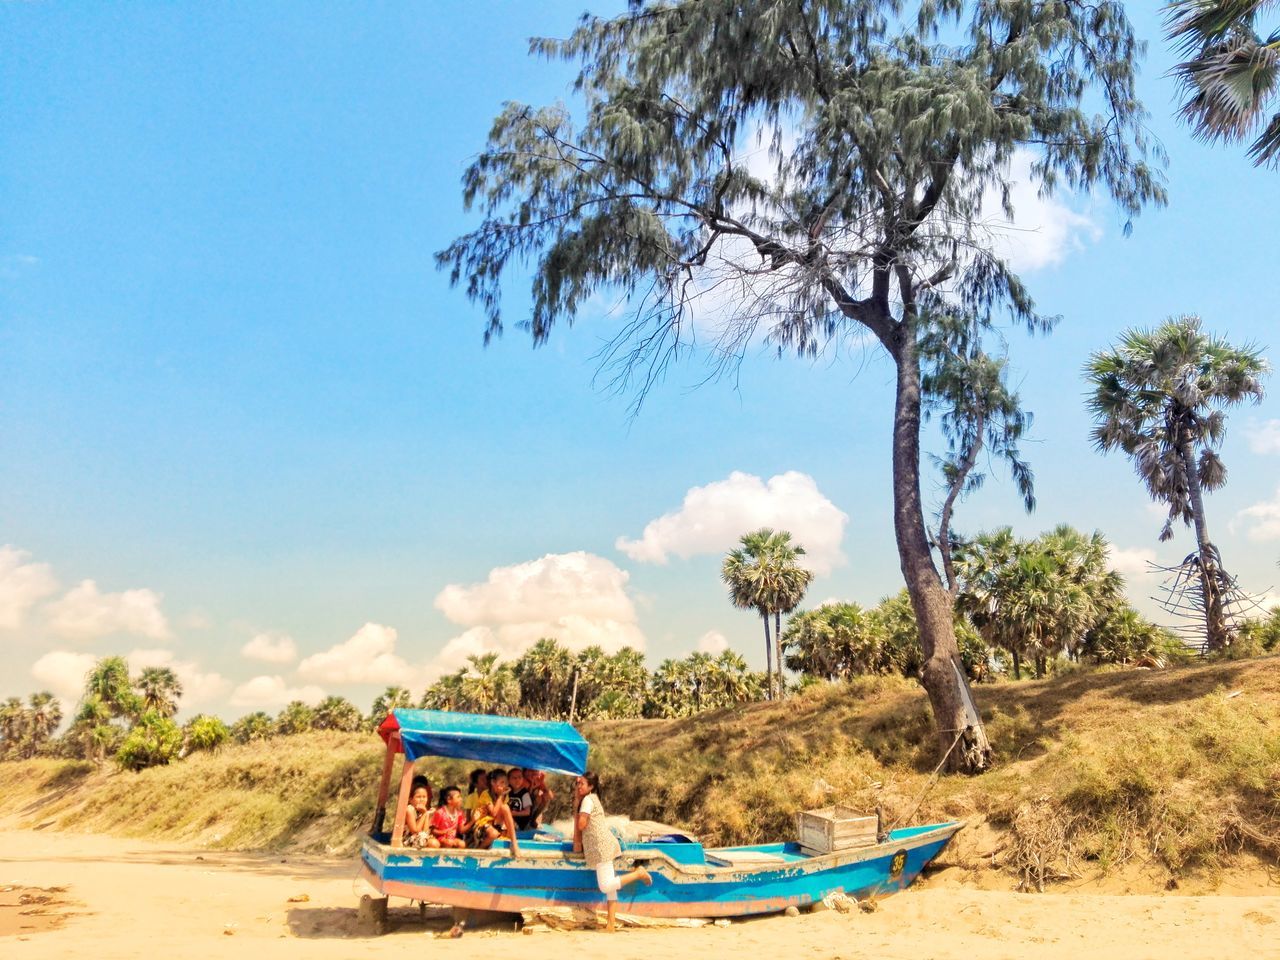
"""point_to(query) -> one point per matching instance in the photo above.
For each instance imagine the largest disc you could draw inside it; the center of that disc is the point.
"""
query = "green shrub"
(204, 733)
(154, 741)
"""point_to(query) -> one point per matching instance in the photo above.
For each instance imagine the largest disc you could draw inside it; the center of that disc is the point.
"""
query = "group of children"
(497, 804)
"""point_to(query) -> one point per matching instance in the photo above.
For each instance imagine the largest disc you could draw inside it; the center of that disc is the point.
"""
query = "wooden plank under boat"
(689, 880)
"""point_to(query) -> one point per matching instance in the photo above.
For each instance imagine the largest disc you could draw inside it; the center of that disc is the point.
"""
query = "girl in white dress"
(593, 838)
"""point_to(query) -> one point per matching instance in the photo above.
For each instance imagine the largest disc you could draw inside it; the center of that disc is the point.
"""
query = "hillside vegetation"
(1175, 770)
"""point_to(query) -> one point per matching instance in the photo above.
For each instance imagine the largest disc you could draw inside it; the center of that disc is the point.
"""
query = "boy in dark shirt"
(520, 799)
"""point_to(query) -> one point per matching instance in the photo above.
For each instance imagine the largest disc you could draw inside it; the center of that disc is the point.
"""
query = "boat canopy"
(537, 744)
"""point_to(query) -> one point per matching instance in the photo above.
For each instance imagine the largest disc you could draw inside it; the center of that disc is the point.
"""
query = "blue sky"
(239, 408)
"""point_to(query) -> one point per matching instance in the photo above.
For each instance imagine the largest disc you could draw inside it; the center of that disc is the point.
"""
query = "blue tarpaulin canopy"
(537, 744)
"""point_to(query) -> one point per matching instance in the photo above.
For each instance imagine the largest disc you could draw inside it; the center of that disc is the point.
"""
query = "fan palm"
(1160, 397)
(109, 682)
(545, 674)
(337, 713)
(1230, 77)
(392, 698)
(296, 717)
(13, 725)
(764, 574)
(160, 690)
(44, 713)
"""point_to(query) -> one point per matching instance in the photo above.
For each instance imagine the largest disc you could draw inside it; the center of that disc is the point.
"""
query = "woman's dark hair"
(476, 774)
(420, 781)
(495, 773)
(593, 779)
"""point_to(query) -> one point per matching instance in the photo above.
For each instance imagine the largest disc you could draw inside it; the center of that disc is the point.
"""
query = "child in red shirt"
(449, 820)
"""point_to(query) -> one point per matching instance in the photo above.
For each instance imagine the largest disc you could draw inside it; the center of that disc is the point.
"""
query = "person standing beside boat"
(596, 842)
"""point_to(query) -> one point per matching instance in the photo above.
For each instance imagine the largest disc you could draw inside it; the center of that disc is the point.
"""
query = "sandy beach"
(106, 897)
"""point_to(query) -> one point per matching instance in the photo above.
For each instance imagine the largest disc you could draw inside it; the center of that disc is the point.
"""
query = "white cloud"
(268, 692)
(270, 648)
(86, 613)
(1263, 437)
(63, 673)
(198, 686)
(367, 657)
(578, 598)
(1261, 521)
(1131, 562)
(713, 518)
(1044, 230)
(22, 585)
(713, 641)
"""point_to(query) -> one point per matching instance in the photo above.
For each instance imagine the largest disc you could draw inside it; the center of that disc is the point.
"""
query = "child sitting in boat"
(493, 816)
(542, 795)
(449, 821)
(417, 827)
(478, 785)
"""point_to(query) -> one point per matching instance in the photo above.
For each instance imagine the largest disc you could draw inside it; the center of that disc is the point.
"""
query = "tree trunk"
(1017, 666)
(768, 655)
(1217, 633)
(777, 650)
(960, 733)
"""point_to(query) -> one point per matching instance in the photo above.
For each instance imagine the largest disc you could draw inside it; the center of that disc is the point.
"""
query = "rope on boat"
(933, 778)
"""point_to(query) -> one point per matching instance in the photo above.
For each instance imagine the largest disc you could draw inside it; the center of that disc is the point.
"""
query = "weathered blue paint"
(688, 880)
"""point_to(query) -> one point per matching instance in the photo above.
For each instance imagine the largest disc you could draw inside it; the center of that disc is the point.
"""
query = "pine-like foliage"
(810, 173)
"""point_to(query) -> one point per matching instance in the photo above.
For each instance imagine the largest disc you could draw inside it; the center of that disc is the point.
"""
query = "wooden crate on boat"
(834, 828)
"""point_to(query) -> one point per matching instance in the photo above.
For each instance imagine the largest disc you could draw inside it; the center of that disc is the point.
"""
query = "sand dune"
(124, 898)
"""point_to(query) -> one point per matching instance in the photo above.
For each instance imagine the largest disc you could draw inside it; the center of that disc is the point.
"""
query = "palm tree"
(392, 698)
(489, 686)
(109, 682)
(763, 574)
(1160, 397)
(43, 716)
(545, 673)
(445, 694)
(1036, 598)
(13, 725)
(337, 713)
(296, 717)
(160, 690)
(1229, 79)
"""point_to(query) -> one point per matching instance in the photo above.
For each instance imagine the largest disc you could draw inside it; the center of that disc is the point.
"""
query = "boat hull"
(687, 881)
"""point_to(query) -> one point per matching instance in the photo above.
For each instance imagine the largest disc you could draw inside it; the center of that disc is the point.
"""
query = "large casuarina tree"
(887, 130)
(1161, 397)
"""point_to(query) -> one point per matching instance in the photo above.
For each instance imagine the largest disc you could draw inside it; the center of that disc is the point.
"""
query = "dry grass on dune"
(1177, 770)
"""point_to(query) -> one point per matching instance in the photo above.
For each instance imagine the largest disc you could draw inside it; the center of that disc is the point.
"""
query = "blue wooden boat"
(689, 880)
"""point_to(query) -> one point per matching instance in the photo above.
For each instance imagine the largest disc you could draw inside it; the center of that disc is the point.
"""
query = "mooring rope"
(933, 777)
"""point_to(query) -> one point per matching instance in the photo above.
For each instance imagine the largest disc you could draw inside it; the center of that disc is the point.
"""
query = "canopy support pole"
(402, 802)
(384, 787)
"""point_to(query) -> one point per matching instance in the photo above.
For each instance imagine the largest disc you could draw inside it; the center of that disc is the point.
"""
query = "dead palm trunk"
(945, 684)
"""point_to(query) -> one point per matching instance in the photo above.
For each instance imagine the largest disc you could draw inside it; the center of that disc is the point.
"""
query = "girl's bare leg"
(611, 918)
